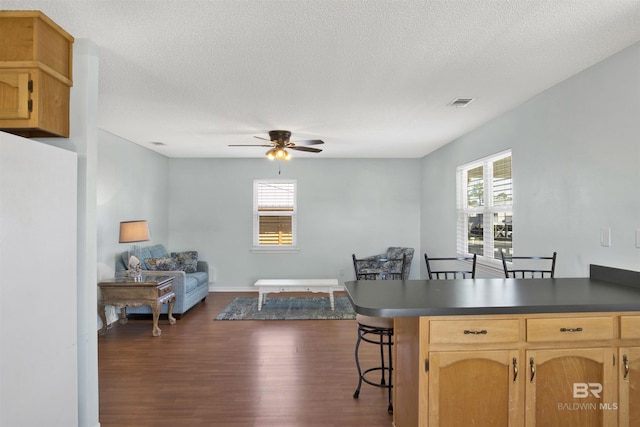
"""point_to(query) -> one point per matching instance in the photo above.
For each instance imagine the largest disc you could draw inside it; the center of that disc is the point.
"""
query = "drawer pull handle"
(481, 332)
(625, 362)
(533, 369)
(570, 329)
(515, 369)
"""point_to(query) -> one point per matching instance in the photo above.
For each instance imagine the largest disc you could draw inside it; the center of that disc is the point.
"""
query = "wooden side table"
(149, 290)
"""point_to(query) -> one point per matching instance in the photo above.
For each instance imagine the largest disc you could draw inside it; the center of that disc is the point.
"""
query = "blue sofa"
(190, 287)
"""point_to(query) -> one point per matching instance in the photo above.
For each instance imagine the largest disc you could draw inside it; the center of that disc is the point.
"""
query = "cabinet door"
(14, 94)
(570, 388)
(629, 380)
(475, 388)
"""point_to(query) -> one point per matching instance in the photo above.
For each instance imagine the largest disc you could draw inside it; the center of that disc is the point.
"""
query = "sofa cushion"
(158, 251)
(190, 283)
(201, 277)
(186, 261)
(160, 264)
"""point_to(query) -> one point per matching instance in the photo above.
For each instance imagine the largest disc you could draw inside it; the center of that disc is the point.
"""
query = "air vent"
(461, 102)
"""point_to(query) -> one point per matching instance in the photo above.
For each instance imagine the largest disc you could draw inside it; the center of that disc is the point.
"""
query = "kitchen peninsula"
(517, 352)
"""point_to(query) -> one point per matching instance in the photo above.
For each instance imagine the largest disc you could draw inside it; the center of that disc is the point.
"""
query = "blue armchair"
(378, 265)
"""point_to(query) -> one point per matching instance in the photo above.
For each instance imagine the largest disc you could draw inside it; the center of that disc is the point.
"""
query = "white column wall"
(38, 284)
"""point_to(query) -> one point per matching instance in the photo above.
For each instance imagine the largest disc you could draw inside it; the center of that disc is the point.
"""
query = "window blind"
(276, 196)
(502, 183)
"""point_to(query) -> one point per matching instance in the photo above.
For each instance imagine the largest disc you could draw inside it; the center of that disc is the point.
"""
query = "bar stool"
(378, 330)
(459, 267)
(535, 270)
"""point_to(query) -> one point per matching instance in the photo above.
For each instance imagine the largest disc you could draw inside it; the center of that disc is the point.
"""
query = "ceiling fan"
(279, 144)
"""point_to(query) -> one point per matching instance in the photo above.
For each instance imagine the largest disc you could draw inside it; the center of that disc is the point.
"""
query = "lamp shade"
(134, 231)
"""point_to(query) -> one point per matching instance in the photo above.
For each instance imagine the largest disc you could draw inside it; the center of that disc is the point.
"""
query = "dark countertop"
(398, 298)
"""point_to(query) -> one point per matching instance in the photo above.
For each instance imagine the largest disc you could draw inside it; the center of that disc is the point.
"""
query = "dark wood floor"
(241, 373)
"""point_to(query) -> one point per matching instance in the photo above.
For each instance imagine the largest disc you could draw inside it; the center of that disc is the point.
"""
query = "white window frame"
(257, 247)
(487, 210)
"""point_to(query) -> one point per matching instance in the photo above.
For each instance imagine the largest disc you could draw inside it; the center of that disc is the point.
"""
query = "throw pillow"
(186, 261)
(161, 264)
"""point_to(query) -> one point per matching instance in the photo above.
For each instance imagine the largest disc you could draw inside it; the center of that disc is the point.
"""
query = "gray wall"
(133, 183)
(576, 157)
(344, 206)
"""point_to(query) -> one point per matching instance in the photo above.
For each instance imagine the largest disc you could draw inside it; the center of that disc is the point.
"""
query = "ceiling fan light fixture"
(282, 154)
(279, 143)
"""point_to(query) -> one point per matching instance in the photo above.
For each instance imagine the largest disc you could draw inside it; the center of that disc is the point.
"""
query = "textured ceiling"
(370, 78)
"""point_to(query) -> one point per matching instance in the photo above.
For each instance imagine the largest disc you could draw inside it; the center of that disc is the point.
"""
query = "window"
(485, 207)
(274, 212)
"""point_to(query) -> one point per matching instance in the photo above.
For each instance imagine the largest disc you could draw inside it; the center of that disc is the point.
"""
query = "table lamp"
(134, 232)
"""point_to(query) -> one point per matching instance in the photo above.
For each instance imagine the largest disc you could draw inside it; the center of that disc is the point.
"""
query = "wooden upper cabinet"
(15, 99)
(35, 75)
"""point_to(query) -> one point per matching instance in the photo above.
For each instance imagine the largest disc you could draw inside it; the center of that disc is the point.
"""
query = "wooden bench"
(266, 286)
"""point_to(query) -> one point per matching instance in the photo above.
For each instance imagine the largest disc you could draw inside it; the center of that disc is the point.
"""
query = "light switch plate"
(605, 237)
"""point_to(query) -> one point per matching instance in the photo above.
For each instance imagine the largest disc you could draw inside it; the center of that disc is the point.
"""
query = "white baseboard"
(231, 288)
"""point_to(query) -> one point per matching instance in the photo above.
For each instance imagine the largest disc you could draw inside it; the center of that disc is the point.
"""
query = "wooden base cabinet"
(565, 370)
(570, 388)
(468, 387)
(629, 386)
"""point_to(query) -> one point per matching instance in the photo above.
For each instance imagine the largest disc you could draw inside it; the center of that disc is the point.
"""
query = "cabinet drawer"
(165, 289)
(474, 331)
(570, 329)
(629, 327)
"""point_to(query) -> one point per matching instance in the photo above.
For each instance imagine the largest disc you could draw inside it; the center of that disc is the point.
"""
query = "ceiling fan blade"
(309, 149)
(309, 142)
(259, 137)
(249, 145)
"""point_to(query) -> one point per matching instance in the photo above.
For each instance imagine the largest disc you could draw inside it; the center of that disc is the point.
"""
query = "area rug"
(288, 308)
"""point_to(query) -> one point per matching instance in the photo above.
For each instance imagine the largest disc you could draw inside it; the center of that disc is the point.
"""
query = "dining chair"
(531, 267)
(377, 330)
(451, 267)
